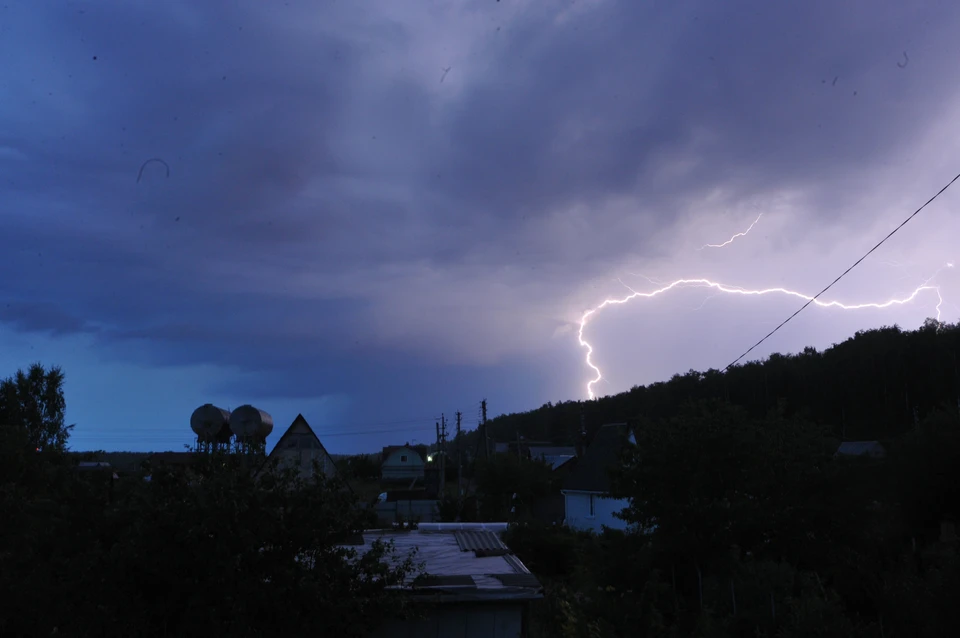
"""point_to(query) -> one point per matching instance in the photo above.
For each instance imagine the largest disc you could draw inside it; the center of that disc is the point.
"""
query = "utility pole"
(519, 457)
(443, 454)
(483, 423)
(439, 459)
(459, 462)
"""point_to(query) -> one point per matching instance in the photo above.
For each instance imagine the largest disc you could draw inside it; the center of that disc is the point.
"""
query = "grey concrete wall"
(389, 512)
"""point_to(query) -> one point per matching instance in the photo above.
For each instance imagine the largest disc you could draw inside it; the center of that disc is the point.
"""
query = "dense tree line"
(744, 526)
(876, 384)
(231, 547)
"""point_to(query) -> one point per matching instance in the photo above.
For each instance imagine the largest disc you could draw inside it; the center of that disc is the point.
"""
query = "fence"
(419, 510)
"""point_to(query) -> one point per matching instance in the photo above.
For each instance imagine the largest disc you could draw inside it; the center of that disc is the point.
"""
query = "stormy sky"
(374, 212)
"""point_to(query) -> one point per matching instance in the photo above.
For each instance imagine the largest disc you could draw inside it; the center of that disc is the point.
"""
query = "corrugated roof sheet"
(442, 557)
(473, 540)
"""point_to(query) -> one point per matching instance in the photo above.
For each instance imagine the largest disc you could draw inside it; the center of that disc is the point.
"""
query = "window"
(593, 506)
(403, 459)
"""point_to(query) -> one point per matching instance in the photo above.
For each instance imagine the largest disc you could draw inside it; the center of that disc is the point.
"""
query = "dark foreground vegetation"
(744, 522)
(221, 550)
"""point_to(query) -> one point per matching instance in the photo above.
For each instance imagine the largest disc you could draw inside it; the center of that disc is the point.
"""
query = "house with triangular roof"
(299, 447)
(586, 490)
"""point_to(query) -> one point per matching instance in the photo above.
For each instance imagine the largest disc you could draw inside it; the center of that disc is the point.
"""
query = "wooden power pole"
(459, 461)
(483, 429)
(443, 454)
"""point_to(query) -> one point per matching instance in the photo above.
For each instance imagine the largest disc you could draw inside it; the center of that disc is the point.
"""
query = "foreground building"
(472, 584)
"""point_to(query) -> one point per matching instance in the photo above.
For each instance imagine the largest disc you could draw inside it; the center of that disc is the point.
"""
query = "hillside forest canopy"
(877, 384)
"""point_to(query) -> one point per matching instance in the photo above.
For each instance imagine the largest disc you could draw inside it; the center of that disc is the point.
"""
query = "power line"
(138, 435)
(844, 273)
(358, 428)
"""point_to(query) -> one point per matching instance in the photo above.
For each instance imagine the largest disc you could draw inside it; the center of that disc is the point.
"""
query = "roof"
(554, 456)
(592, 473)
(390, 449)
(872, 449)
(546, 451)
(301, 423)
(461, 561)
(300, 427)
(556, 462)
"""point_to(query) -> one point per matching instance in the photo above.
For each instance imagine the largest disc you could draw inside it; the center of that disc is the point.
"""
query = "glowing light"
(733, 290)
(730, 241)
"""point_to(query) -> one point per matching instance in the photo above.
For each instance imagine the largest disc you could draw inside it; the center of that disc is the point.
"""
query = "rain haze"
(374, 213)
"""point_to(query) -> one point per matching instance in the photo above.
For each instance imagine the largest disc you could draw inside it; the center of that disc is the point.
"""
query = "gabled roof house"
(299, 447)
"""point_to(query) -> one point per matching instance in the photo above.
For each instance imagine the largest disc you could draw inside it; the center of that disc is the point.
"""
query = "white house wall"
(577, 511)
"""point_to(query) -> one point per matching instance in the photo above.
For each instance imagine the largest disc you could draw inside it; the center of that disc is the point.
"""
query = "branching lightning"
(736, 290)
(730, 241)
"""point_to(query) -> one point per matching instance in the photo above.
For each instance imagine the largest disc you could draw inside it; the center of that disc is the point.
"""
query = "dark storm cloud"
(765, 95)
(332, 208)
(42, 317)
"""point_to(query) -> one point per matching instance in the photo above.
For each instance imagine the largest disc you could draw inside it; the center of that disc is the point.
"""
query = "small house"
(300, 447)
(402, 464)
(472, 584)
(588, 505)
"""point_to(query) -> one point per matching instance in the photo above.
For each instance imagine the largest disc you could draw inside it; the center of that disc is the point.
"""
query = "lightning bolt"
(734, 290)
(730, 241)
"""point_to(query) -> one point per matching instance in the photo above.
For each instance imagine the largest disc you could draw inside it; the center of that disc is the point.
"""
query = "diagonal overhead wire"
(844, 273)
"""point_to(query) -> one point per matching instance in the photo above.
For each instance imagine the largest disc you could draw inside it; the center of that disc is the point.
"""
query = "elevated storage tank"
(250, 424)
(209, 422)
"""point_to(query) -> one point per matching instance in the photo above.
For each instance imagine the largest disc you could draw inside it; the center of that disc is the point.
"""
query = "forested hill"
(871, 386)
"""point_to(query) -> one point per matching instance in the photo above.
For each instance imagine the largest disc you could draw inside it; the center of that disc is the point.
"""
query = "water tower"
(212, 427)
(250, 427)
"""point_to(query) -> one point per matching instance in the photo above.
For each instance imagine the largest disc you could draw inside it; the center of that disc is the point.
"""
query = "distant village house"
(588, 505)
(402, 464)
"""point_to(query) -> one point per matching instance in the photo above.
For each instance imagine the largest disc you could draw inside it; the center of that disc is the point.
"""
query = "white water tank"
(250, 424)
(208, 422)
